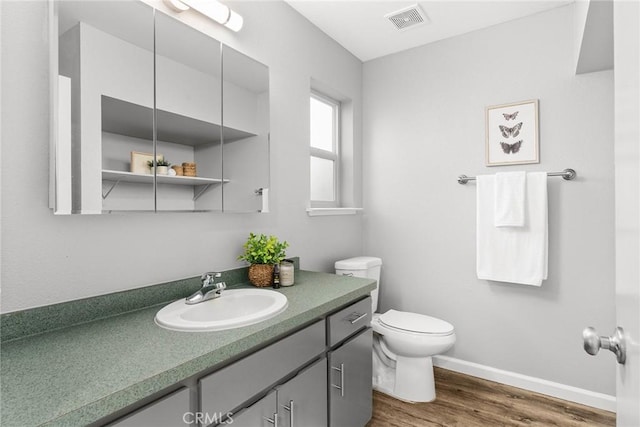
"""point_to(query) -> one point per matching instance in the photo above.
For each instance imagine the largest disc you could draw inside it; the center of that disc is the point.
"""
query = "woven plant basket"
(260, 274)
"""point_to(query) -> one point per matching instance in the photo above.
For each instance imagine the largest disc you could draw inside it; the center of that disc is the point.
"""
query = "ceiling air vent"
(406, 18)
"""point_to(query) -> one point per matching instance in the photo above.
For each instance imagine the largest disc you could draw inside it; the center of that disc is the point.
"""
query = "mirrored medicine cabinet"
(130, 85)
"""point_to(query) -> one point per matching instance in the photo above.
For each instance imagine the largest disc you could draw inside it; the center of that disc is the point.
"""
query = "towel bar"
(567, 174)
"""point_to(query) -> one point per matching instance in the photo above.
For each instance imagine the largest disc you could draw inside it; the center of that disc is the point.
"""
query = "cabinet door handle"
(341, 386)
(356, 317)
(290, 409)
(273, 420)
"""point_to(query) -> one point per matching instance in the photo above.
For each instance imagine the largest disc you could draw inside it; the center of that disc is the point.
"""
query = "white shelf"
(126, 118)
(122, 176)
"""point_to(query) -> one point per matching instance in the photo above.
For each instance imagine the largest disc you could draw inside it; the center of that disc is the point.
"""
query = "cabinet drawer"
(233, 385)
(349, 320)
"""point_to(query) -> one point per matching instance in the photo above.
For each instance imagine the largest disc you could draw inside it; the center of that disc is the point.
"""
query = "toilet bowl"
(404, 342)
(410, 340)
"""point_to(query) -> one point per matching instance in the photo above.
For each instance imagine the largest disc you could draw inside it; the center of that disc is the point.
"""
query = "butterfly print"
(511, 116)
(507, 131)
(511, 148)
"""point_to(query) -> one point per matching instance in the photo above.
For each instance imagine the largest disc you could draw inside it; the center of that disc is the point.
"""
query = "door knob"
(614, 343)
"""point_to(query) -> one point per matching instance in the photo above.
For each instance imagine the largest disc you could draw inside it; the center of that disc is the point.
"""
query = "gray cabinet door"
(350, 395)
(170, 411)
(260, 414)
(302, 401)
(235, 384)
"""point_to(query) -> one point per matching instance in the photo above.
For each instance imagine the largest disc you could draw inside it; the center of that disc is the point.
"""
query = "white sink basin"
(234, 309)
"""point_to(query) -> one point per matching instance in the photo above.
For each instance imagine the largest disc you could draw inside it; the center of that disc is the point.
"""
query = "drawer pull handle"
(356, 317)
(341, 386)
(273, 420)
(290, 409)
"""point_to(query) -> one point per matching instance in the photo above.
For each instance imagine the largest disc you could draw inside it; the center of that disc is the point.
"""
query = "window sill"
(332, 211)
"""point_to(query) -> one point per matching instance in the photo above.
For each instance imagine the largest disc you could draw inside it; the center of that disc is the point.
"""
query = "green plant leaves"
(263, 250)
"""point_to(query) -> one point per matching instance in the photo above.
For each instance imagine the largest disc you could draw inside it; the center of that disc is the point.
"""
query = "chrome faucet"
(210, 289)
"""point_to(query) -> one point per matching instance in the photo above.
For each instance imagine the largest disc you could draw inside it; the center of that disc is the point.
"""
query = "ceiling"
(361, 28)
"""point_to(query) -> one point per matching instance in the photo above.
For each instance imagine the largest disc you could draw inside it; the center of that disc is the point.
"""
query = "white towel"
(510, 189)
(513, 254)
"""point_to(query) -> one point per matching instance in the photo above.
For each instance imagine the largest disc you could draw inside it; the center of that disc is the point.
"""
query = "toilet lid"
(414, 322)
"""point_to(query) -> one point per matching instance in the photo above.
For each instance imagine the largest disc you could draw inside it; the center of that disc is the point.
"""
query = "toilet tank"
(362, 266)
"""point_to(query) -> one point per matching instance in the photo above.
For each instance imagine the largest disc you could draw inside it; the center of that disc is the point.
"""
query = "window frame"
(334, 155)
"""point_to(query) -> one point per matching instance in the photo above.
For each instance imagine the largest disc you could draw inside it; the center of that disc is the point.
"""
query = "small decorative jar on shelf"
(189, 168)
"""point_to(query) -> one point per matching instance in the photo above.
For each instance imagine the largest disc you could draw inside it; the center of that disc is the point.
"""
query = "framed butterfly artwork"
(512, 134)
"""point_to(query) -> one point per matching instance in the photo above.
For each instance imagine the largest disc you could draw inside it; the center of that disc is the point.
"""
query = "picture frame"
(139, 161)
(512, 134)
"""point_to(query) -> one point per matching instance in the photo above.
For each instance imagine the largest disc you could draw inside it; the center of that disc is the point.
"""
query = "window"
(324, 150)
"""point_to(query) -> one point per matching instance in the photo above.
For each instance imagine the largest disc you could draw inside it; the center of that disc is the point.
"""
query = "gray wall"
(48, 259)
(424, 125)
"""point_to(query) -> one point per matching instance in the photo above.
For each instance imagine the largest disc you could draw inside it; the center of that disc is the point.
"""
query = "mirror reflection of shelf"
(121, 176)
(126, 118)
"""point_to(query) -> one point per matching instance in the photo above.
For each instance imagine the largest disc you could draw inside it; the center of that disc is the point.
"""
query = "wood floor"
(467, 401)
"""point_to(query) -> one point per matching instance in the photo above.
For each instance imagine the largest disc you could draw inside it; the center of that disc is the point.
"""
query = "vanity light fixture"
(213, 9)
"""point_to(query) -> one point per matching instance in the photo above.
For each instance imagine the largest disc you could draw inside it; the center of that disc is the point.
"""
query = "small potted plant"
(162, 166)
(263, 253)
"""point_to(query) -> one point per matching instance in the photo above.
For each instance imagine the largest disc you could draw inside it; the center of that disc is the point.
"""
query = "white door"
(627, 182)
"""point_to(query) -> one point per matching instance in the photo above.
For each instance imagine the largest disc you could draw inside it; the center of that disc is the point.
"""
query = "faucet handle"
(209, 278)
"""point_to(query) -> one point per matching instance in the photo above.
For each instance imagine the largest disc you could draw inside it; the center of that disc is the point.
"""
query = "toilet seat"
(416, 323)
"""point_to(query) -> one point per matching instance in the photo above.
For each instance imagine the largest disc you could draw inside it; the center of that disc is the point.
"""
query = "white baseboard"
(550, 388)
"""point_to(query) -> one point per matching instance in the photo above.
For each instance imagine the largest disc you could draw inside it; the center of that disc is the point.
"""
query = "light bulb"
(176, 5)
(211, 8)
(235, 21)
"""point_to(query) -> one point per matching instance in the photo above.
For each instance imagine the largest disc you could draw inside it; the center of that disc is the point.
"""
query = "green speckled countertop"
(77, 375)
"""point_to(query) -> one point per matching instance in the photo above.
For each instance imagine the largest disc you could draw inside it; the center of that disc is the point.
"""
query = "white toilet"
(403, 342)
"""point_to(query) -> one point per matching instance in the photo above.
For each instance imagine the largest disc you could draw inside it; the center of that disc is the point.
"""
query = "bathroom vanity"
(310, 365)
